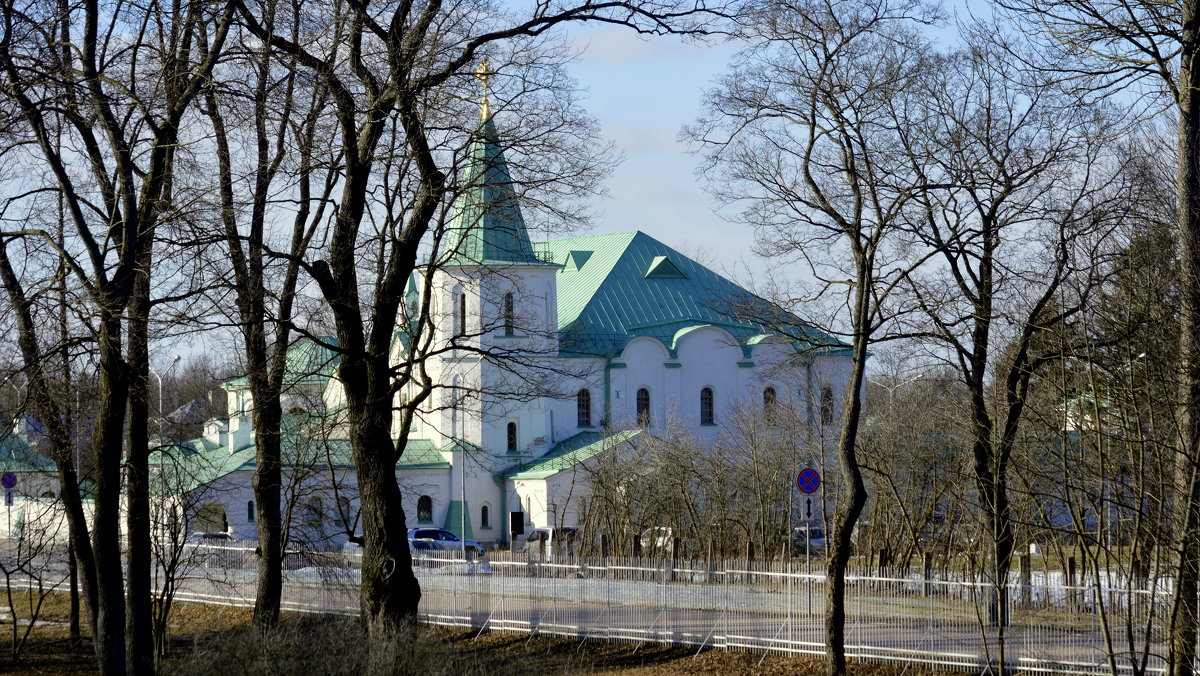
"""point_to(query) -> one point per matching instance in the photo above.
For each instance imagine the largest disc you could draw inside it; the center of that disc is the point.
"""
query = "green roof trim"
(569, 453)
(487, 226)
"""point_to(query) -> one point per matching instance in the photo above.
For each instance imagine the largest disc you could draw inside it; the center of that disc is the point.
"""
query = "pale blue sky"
(643, 91)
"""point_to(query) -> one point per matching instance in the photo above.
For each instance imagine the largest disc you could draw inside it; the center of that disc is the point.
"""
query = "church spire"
(484, 74)
(487, 227)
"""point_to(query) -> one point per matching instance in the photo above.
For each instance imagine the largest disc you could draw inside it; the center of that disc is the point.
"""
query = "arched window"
(462, 314)
(769, 404)
(583, 408)
(316, 512)
(485, 517)
(508, 314)
(827, 405)
(512, 436)
(706, 406)
(643, 407)
(250, 511)
(424, 509)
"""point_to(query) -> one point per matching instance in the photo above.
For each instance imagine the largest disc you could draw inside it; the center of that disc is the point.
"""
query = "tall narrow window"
(706, 406)
(769, 405)
(424, 509)
(512, 436)
(485, 517)
(462, 314)
(250, 511)
(827, 405)
(508, 314)
(643, 407)
(583, 408)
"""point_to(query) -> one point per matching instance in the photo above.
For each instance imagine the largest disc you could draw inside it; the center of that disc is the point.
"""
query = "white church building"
(545, 355)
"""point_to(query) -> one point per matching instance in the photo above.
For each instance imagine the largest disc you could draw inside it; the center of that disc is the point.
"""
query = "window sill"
(510, 335)
(711, 424)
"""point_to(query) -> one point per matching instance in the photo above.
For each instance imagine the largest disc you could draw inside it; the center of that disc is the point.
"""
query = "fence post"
(1071, 597)
(1026, 575)
(712, 561)
(927, 564)
(749, 560)
(674, 556)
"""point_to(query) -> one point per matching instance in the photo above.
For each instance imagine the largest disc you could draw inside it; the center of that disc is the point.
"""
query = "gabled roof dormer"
(661, 267)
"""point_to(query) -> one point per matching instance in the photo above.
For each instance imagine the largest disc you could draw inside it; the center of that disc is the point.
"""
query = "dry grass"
(219, 640)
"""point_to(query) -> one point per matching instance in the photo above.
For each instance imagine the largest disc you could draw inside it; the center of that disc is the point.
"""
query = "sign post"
(9, 481)
(808, 481)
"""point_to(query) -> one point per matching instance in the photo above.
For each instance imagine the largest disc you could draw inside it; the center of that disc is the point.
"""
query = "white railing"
(942, 620)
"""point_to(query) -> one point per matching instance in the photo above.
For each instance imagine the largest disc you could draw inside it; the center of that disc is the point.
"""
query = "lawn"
(209, 639)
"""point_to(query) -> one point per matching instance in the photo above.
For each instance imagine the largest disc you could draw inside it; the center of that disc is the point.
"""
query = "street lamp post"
(160, 393)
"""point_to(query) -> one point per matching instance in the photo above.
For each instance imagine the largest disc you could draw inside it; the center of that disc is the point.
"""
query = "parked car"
(657, 540)
(543, 542)
(440, 539)
(210, 538)
(809, 537)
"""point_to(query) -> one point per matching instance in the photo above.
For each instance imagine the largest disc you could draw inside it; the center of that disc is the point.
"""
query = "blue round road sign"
(809, 480)
(8, 480)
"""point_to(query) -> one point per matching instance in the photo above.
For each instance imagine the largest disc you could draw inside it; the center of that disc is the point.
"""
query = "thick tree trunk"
(390, 593)
(853, 495)
(268, 486)
(107, 443)
(1181, 655)
(139, 624)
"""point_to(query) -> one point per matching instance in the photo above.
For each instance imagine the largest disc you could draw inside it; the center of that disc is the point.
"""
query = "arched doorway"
(211, 518)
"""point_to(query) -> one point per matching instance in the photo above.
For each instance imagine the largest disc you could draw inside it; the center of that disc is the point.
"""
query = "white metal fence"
(942, 620)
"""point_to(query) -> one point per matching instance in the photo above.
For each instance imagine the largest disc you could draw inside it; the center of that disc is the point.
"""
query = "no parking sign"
(809, 480)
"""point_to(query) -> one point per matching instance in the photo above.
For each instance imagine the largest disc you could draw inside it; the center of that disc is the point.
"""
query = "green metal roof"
(613, 288)
(308, 362)
(191, 464)
(16, 455)
(487, 226)
(570, 452)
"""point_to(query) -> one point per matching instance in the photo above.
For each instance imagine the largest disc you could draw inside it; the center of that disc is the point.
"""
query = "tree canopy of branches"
(804, 131)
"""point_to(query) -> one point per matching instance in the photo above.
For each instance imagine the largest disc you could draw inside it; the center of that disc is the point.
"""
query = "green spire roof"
(487, 227)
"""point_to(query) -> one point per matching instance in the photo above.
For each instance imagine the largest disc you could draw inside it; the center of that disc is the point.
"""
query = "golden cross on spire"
(484, 75)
